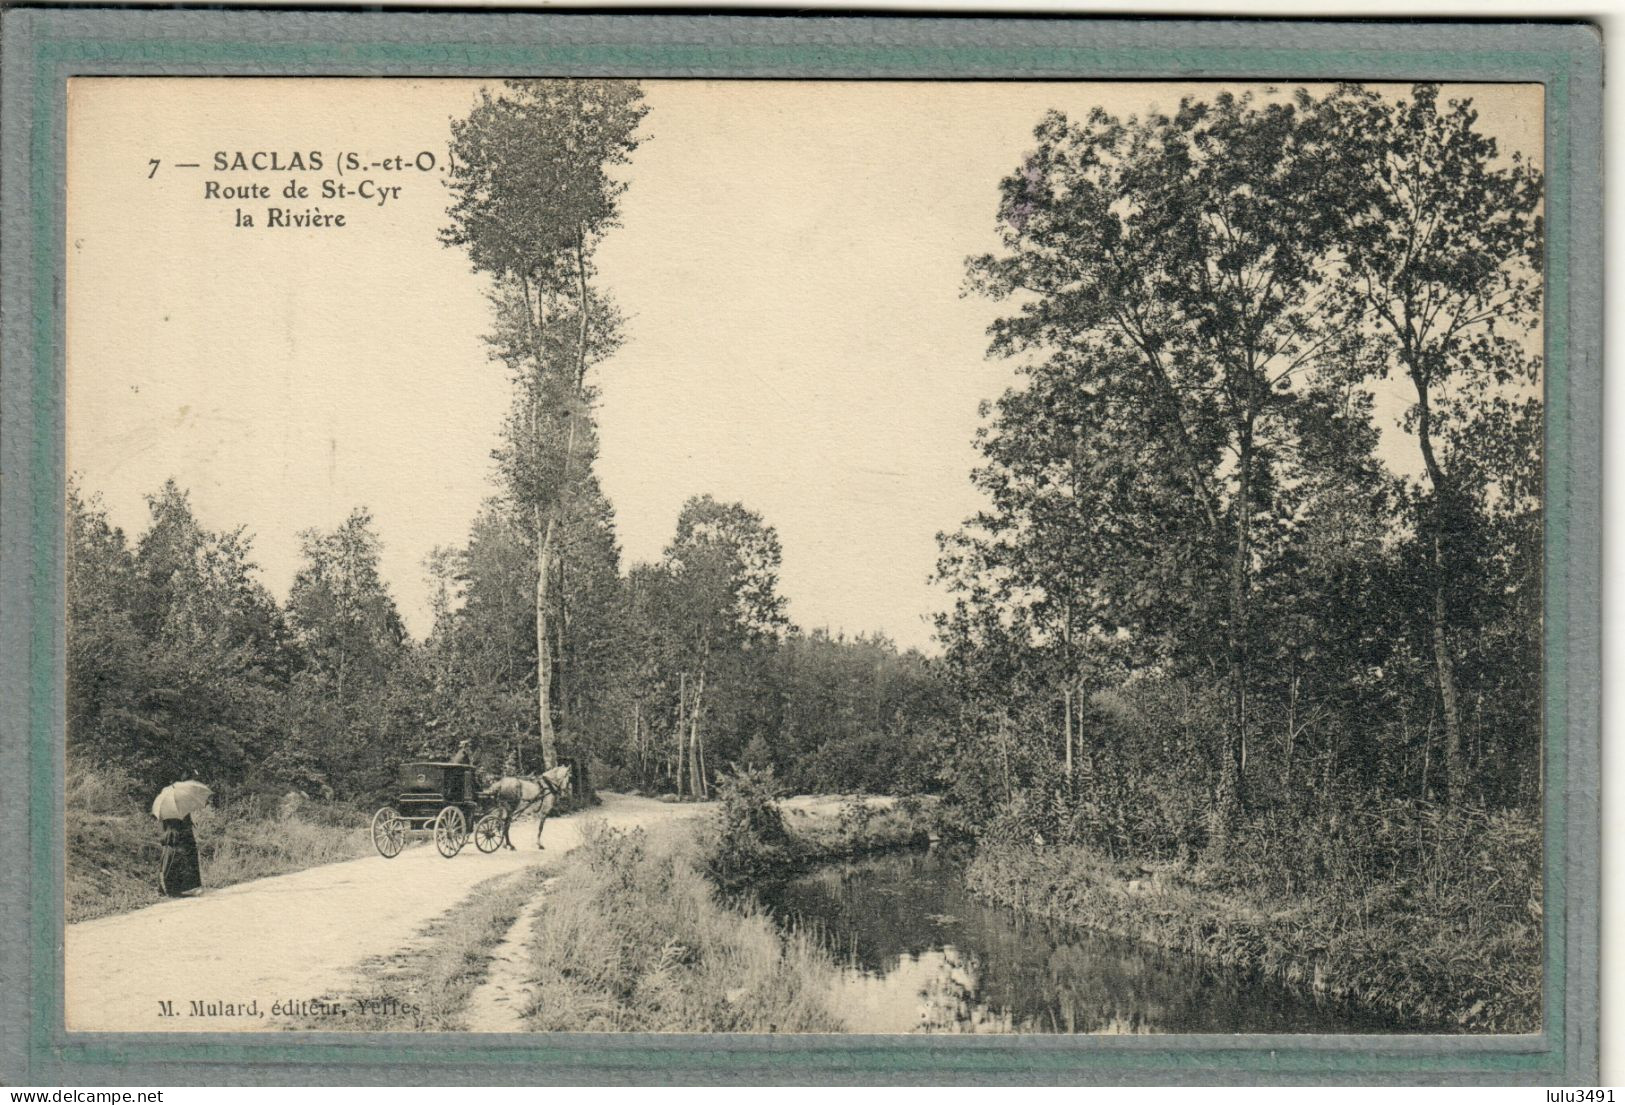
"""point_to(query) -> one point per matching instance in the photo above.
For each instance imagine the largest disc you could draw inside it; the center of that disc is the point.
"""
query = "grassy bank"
(757, 835)
(1461, 954)
(112, 843)
(848, 825)
(633, 937)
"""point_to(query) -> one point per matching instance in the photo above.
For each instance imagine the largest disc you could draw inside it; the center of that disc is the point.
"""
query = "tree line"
(664, 675)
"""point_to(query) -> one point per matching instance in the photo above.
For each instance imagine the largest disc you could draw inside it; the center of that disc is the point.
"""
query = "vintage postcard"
(1089, 560)
(704, 556)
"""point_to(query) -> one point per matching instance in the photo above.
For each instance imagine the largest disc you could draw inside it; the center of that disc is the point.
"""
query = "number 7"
(154, 163)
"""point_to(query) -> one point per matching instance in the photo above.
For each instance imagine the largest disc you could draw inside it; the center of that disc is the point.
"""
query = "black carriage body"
(443, 799)
(428, 788)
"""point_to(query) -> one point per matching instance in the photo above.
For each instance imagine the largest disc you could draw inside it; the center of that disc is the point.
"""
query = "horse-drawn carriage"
(444, 799)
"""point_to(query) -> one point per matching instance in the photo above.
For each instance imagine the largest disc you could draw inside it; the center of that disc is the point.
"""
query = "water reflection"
(918, 953)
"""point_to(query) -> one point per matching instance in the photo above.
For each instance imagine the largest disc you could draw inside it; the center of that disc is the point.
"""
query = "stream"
(917, 952)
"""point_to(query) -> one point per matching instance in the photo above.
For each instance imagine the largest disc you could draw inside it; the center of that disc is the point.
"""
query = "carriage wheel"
(450, 831)
(388, 832)
(488, 832)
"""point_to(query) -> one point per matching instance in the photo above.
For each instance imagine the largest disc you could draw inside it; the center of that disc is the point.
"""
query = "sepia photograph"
(804, 556)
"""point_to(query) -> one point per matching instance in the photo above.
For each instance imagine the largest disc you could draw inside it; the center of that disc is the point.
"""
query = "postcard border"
(44, 47)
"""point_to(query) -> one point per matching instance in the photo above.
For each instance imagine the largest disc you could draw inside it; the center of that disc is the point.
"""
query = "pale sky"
(790, 264)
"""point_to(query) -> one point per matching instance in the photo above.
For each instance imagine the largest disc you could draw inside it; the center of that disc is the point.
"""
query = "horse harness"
(551, 789)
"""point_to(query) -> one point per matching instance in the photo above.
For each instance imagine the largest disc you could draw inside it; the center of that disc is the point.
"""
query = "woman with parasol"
(178, 871)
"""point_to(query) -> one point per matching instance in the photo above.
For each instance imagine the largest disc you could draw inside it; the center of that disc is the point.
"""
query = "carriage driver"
(463, 755)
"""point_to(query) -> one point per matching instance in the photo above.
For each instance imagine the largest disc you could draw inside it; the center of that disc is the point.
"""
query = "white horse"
(522, 793)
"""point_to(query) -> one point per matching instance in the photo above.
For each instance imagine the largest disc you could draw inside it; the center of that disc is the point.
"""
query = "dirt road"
(240, 952)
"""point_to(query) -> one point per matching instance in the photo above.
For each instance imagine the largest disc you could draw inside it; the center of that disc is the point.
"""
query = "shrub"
(749, 834)
(1027, 819)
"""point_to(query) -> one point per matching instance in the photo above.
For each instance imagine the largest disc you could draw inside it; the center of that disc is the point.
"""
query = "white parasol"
(180, 799)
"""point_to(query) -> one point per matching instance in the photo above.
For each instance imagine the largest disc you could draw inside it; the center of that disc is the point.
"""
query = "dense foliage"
(1208, 590)
(180, 662)
(1219, 612)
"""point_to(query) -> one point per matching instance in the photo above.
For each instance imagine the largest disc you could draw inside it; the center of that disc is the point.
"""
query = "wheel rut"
(498, 1003)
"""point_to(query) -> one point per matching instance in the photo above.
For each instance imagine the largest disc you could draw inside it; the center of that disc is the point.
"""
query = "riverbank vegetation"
(641, 934)
(1448, 941)
(633, 937)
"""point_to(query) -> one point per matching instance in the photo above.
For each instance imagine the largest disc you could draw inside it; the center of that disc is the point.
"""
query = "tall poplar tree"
(533, 195)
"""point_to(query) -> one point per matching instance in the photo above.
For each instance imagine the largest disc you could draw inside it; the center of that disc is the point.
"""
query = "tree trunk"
(696, 756)
(544, 658)
(1086, 769)
(561, 660)
(1228, 795)
(638, 751)
(546, 525)
(1443, 655)
(682, 724)
(581, 329)
(1444, 661)
(705, 786)
(1066, 697)
(694, 786)
(546, 530)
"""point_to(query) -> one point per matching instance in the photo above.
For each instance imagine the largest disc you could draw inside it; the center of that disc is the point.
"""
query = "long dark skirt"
(178, 867)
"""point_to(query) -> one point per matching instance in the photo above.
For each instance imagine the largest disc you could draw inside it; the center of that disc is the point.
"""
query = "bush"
(1027, 820)
(750, 837)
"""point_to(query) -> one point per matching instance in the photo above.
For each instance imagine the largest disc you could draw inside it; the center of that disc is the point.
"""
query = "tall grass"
(633, 938)
(113, 850)
(250, 841)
